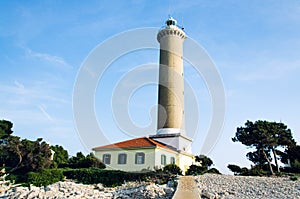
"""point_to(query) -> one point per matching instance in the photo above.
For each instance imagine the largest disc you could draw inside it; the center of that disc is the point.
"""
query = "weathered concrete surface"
(187, 188)
(171, 81)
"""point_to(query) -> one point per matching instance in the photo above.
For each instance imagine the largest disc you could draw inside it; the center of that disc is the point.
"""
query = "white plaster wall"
(178, 142)
(185, 145)
(185, 161)
(130, 163)
(152, 159)
(167, 153)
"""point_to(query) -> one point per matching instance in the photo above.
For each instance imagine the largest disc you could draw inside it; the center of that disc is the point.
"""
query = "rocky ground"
(73, 190)
(208, 186)
(234, 187)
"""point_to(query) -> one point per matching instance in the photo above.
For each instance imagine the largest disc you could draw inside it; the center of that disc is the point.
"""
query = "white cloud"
(51, 59)
(19, 85)
(42, 109)
(18, 94)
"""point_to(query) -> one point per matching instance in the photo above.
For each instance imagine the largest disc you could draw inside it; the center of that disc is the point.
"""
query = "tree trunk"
(20, 160)
(276, 162)
(269, 162)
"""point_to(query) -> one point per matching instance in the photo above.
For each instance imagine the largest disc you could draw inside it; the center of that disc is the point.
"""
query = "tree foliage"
(258, 158)
(5, 129)
(81, 161)
(213, 170)
(267, 138)
(172, 169)
(235, 169)
(205, 163)
(292, 157)
(196, 170)
(60, 156)
(26, 155)
(204, 160)
(22, 155)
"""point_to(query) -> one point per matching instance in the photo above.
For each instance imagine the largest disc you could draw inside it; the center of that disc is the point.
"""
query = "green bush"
(200, 170)
(196, 170)
(17, 177)
(109, 178)
(235, 169)
(80, 161)
(294, 178)
(172, 169)
(45, 177)
(213, 170)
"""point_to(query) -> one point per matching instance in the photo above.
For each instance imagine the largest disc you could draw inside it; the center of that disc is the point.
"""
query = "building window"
(172, 160)
(122, 158)
(163, 160)
(140, 158)
(106, 158)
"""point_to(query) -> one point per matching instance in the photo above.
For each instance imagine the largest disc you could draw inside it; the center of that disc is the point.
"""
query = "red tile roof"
(143, 142)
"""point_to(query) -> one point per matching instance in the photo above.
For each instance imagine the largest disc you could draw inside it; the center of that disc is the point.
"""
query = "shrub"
(109, 178)
(45, 177)
(213, 170)
(17, 177)
(256, 170)
(172, 169)
(294, 178)
(196, 170)
(80, 161)
(235, 169)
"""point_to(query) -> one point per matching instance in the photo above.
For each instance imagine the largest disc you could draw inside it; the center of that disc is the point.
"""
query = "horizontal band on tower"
(167, 32)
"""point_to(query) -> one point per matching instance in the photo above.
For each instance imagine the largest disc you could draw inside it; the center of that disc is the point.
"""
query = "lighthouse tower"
(170, 123)
(170, 144)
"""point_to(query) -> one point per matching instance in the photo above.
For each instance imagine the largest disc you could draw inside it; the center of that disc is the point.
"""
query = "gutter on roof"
(123, 148)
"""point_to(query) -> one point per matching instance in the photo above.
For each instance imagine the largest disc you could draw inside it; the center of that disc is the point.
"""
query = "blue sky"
(254, 44)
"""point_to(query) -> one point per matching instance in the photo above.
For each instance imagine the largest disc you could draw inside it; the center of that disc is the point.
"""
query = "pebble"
(246, 187)
(209, 186)
(74, 190)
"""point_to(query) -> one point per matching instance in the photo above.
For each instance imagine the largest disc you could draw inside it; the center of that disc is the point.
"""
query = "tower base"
(163, 131)
(176, 140)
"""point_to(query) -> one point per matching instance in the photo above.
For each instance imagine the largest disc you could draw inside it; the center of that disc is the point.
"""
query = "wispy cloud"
(36, 108)
(42, 109)
(19, 87)
(19, 94)
(48, 58)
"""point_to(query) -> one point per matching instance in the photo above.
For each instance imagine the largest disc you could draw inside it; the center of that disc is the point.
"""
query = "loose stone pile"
(233, 187)
(145, 191)
(73, 190)
(5, 185)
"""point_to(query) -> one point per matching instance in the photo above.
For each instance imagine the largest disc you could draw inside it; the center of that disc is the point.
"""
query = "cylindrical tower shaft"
(171, 82)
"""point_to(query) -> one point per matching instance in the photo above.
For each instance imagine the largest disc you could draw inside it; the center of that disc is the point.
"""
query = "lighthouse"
(170, 144)
(170, 118)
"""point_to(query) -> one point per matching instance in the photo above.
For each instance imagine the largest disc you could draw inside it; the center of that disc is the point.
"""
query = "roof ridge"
(125, 141)
(165, 145)
(136, 142)
(118, 144)
(154, 141)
